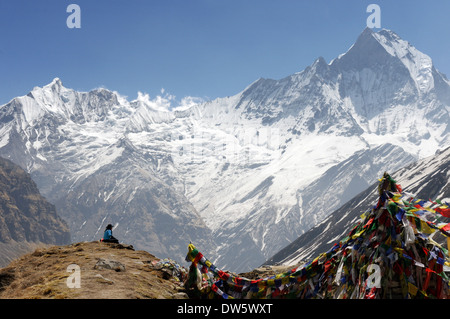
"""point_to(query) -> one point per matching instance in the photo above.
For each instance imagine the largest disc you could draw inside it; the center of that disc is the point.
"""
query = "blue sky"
(202, 48)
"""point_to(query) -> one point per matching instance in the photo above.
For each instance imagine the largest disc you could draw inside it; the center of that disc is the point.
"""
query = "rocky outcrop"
(104, 270)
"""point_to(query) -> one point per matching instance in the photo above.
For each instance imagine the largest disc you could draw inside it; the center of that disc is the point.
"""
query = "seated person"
(108, 237)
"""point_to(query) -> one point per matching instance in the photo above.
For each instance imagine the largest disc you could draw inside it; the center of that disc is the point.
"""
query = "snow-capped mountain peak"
(371, 48)
(55, 83)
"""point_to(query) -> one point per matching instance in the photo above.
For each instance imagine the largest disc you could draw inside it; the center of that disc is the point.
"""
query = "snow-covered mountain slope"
(238, 176)
(426, 179)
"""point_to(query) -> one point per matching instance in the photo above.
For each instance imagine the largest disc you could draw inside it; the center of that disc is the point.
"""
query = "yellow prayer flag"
(358, 234)
(448, 245)
(388, 241)
(412, 289)
(425, 228)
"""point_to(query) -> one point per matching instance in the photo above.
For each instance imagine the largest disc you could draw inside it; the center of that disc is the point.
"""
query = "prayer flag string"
(390, 253)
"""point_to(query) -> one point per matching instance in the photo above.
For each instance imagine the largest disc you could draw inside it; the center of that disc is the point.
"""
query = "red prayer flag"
(446, 227)
(443, 211)
(197, 258)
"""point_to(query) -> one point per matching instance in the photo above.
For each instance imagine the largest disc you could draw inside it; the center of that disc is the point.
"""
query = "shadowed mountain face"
(26, 218)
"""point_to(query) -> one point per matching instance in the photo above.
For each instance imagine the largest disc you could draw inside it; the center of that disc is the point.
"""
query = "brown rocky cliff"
(27, 219)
